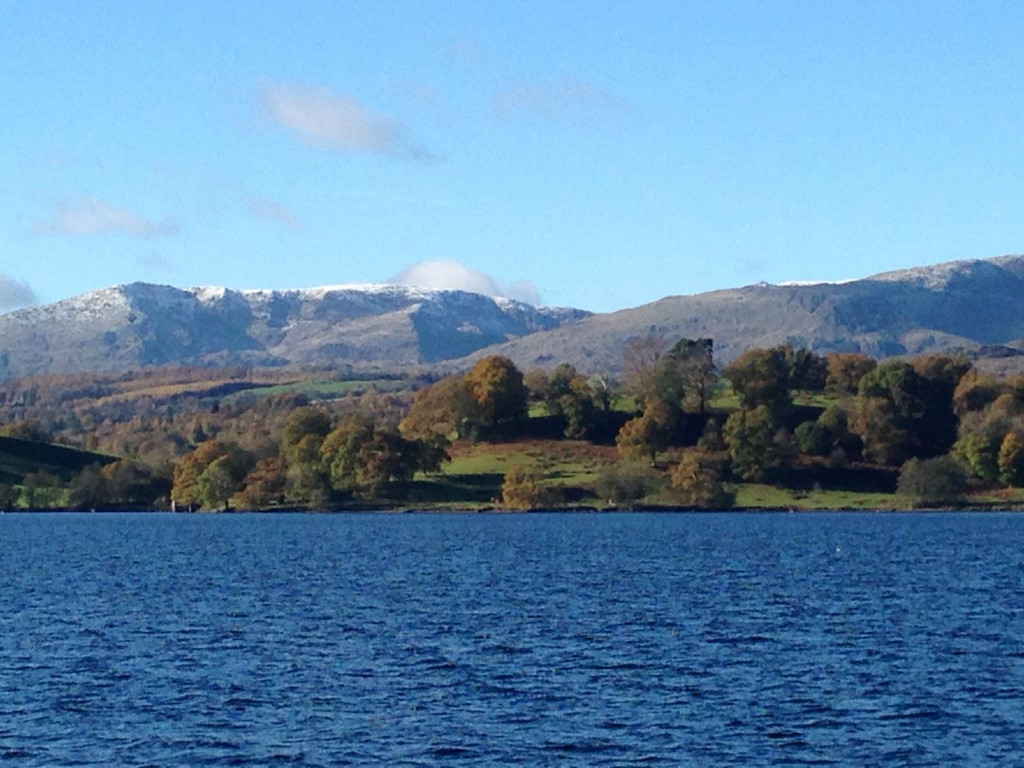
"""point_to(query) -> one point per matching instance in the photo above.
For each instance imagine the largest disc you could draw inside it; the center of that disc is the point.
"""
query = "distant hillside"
(20, 457)
(971, 306)
(138, 325)
(974, 307)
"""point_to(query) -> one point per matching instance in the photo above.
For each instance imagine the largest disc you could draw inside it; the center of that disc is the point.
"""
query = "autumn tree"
(974, 391)
(1011, 460)
(641, 438)
(192, 489)
(265, 484)
(761, 378)
(445, 409)
(497, 386)
(524, 487)
(697, 482)
(844, 370)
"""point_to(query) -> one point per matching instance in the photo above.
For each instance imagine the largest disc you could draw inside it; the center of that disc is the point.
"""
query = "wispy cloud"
(568, 100)
(88, 215)
(264, 208)
(326, 119)
(448, 274)
(15, 293)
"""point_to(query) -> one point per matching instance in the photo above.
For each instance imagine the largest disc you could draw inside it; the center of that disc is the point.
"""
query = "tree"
(524, 488)
(844, 370)
(265, 485)
(828, 435)
(623, 483)
(876, 422)
(979, 453)
(41, 489)
(302, 423)
(761, 378)
(9, 495)
(639, 357)
(217, 484)
(448, 409)
(340, 453)
(190, 490)
(750, 436)
(1011, 460)
(974, 391)
(89, 489)
(805, 370)
(641, 438)
(497, 386)
(696, 483)
(932, 482)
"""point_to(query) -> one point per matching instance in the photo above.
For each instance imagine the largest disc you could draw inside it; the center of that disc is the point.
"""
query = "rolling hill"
(973, 306)
(976, 307)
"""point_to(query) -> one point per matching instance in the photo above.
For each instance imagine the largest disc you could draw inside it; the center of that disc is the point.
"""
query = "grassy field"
(20, 457)
(318, 390)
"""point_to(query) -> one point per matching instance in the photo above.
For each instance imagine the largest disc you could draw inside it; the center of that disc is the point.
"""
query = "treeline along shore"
(778, 428)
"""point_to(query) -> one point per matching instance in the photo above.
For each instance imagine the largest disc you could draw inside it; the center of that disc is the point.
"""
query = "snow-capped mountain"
(973, 306)
(141, 324)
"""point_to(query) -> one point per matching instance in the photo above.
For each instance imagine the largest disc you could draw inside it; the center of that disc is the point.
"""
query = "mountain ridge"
(973, 305)
(144, 324)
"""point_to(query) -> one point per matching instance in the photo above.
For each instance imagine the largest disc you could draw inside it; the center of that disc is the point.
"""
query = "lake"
(530, 639)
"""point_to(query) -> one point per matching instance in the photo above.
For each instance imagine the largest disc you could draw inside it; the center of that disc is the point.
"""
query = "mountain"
(140, 324)
(974, 306)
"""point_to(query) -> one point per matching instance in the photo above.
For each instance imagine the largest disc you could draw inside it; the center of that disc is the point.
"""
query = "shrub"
(623, 483)
(932, 482)
(524, 487)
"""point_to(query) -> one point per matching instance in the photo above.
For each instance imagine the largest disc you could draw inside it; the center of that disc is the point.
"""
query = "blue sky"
(599, 155)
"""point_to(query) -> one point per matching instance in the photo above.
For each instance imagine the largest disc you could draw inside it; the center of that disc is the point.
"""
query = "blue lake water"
(541, 639)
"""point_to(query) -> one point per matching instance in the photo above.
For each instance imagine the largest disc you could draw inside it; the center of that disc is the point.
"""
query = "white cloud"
(264, 208)
(325, 119)
(568, 100)
(447, 274)
(88, 215)
(15, 293)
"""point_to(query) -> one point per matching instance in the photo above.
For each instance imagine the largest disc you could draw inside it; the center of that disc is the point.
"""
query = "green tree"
(623, 483)
(932, 482)
(9, 495)
(978, 451)
(1011, 460)
(89, 489)
(752, 442)
(217, 484)
(189, 490)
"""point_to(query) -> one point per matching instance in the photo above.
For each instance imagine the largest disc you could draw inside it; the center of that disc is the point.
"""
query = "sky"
(587, 154)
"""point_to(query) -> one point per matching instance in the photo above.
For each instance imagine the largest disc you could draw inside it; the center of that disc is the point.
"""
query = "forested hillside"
(775, 427)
